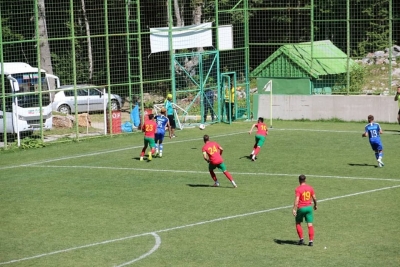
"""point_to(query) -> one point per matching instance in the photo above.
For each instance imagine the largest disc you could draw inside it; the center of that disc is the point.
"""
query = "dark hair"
(370, 118)
(261, 119)
(302, 178)
(151, 116)
(206, 138)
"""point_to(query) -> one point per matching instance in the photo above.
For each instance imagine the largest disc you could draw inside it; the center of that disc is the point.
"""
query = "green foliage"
(358, 75)
(27, 143)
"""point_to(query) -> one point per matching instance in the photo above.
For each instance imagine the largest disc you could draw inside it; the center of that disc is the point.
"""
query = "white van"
(25, 102)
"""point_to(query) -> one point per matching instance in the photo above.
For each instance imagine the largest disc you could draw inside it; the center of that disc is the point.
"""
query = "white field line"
(204, 172)
(155, 247)
(106, 152)
(166, 143)
(190, 225)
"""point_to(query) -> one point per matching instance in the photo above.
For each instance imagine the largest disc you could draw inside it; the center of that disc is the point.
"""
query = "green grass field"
(93, 203)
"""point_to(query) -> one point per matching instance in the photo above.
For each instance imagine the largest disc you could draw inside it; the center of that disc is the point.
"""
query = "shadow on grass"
(245, 157)
(286, 242)
(362, 165)
(200, 185)
(144, 159)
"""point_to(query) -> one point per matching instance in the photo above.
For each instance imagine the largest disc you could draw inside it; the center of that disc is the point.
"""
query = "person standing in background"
(397, 98)
(169, 106)
(209, 104)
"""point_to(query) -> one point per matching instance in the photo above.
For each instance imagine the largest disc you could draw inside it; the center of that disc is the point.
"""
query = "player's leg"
(205, 110)
(398, 116)
(380, 155)
(254, 147)
(152, 145)
(157, 139)
(145, 145)
(172, 124)
(211, 169)
(228, 175)
(309, 216)
(212, 110)
(160, 147)
(299, 219)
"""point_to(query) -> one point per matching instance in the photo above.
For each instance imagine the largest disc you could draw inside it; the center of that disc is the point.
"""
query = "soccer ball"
(202, 126)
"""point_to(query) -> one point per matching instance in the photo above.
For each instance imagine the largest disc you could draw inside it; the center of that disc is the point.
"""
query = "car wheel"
(114, 104)
(65, 109)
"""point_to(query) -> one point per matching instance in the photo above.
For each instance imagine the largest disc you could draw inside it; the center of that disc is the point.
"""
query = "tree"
(45, 56)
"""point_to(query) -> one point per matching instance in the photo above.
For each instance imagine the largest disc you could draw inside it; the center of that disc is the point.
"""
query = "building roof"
(294, 60)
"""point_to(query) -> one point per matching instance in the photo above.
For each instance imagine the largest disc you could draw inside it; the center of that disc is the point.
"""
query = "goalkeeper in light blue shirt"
(162, 123)
(373, 131)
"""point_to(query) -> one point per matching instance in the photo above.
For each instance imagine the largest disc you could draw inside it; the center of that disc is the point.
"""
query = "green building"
(303, 69)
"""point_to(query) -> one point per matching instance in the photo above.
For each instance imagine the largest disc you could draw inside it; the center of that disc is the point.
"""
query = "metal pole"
(71, 7)
(3, 95)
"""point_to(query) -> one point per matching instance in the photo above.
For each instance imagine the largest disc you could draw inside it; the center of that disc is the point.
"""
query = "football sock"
(156, 148)
(153, 150)
(311, 233)
(213, 176)
(299, 230)
(257, 150)
(161, 146)
(380, 155)
(377, 155)
(228, 175)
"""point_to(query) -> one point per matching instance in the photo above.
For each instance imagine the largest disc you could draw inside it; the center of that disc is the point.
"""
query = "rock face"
(84, 120)
(389, 56)
(62, 122)
(68, 121)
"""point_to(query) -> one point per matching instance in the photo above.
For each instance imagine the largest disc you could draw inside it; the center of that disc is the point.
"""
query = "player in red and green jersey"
(212, 153)
(302, 208)
(150, 129)
(262, 132)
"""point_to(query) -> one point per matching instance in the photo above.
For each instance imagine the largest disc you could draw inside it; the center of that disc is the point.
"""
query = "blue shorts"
(159, 137)
(376, 146)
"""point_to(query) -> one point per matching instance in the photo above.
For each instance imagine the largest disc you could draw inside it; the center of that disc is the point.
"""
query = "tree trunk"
(45, 56)
(197, 12)
(89, 44)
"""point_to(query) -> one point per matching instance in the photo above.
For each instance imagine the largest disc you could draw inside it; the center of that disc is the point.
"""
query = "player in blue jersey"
(373, 131)
(162, 123)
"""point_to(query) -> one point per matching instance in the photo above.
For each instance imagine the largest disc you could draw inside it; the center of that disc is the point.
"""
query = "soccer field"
(93, 203)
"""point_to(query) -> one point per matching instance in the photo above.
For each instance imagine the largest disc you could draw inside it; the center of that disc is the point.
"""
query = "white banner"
(182, 37)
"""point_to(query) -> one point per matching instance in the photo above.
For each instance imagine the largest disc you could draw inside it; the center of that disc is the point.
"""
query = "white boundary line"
(204, 172)
(186, 226)
(170, 142)
(108, 151)
(155, 247)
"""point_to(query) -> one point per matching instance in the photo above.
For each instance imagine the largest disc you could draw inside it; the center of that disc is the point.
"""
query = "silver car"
(88, 99)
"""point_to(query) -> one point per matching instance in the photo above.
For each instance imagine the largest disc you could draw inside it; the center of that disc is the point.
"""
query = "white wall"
(315, 107)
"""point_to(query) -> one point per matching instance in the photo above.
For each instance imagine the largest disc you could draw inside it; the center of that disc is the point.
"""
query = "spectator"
(209, 104)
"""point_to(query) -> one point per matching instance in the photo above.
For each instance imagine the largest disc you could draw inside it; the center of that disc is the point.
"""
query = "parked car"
(88, 99)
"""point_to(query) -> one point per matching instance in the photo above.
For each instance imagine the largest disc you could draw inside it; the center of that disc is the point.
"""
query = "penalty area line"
(158, 242)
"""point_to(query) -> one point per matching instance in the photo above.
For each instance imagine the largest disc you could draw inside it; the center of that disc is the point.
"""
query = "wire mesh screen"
(110, 57)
